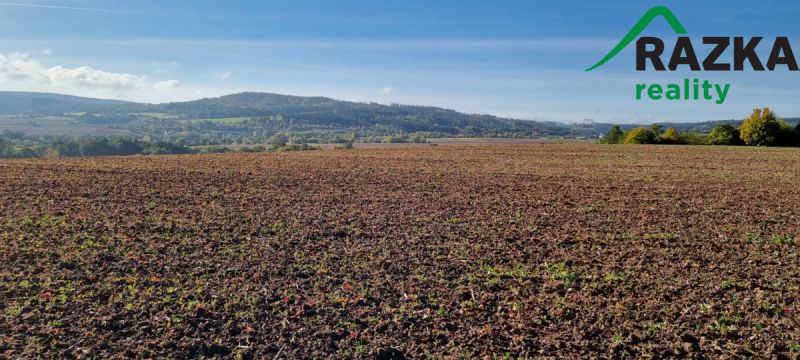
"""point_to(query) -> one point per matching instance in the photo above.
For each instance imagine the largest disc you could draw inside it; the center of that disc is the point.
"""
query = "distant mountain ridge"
(34, 103)
(254, 116)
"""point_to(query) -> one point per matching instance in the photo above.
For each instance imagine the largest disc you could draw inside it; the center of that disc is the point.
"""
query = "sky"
(521, 59)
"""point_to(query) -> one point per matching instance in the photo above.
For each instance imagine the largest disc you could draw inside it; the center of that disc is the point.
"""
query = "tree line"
(17, 145)
(760, 128)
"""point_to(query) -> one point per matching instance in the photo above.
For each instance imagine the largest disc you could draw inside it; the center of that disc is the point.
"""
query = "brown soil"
(564, 250)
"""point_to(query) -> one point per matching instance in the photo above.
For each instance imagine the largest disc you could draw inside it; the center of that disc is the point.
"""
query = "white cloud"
(224, 76)
(166, 86)
(47, 52)
(87, 77)
(386, 90)
(20, 69)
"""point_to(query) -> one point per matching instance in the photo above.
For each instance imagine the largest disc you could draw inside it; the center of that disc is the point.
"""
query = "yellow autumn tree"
(639, 135)
(670, 136)
(760, 128)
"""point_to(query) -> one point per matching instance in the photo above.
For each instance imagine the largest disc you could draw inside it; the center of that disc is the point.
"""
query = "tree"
(278, 140)
(162, 147)
(655, 129)
(786, 135)
(4, 146)
(66, 147)
(639, 135)
(125, 146)
(796, 135)
(614, 135)
(760, 128)
(670, 136)
(96, 146)
(724, 135)
(51, 153)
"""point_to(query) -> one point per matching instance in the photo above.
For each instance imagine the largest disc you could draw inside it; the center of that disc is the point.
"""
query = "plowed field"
(558, 250)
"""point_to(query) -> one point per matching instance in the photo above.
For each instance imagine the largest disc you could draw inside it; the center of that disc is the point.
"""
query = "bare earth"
(531, 250)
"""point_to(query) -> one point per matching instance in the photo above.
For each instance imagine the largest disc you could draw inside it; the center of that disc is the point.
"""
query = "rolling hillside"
(253, 117)
(32, 103)
(258, 117)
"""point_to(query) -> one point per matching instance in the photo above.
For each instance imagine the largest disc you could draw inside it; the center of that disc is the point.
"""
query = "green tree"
(639, 135)
(796, 135)
(655, 129)
(724, 135)
(350, 140)
(760, 128)
(786, 135)
(125, 146)
(24, 151)
(4, 146)
(278, 140)
(95, 146)
(614, 135)
(66, 147)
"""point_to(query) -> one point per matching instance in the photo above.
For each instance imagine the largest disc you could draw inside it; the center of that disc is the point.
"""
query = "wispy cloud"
(548, 45)
(166, 86)
(224, 76)
(164, 67)
(386, 90)
(20, 68)
(57, 7)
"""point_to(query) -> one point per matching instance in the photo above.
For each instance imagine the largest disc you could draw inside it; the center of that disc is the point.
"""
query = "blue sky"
(523, 59)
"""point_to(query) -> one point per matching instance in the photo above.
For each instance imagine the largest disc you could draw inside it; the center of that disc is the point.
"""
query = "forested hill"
(250, 118)
(332, 114)
(33, 103)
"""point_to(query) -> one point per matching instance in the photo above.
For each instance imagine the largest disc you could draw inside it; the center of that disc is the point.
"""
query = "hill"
(256, 117)
(303, 114)
(250, 118)
(32, 103)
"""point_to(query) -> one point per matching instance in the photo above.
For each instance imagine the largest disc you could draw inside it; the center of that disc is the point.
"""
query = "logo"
(781, 54)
